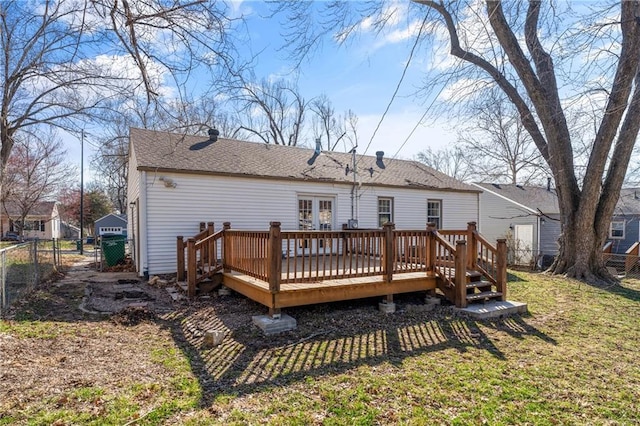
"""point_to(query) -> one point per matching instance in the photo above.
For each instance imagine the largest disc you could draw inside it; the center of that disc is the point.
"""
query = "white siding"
(497, 214)
(250, 203)
(133, 195)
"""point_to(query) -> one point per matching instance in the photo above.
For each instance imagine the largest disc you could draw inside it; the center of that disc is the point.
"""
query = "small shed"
(111, 224)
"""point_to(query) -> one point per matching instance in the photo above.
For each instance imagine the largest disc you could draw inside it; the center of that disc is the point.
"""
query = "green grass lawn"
(572, 360)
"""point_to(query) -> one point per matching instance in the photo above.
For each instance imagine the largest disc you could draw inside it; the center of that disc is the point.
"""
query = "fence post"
(202, 226)
(191, 267)
(501, 266)
(388, 251)
(275, 266)
(3, 295)
(461, 274)
(36, 272)
(431, 249)
(180, 258)
(226, 247)
(53, 249)
(472, 246)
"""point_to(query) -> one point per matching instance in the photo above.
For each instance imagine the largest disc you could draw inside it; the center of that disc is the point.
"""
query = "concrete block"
(494, 309)
(213, 338)
(224, 291)
(387, 308)
(269, 325)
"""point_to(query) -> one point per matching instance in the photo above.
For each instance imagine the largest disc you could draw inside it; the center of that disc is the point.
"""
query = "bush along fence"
(23, 266)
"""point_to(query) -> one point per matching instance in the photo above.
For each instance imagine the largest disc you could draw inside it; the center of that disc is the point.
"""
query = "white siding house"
(178, 181)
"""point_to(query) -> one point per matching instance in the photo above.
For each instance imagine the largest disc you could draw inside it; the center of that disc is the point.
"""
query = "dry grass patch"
(572, 360)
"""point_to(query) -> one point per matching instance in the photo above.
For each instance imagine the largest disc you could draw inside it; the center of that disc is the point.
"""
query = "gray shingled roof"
(534, 197)
(629, 202)
(43, 208)
(164, 151)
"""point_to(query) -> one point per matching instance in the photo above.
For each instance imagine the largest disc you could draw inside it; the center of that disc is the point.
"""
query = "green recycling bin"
(113, 249)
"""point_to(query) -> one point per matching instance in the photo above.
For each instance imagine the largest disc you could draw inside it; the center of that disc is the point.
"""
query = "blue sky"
(361, 76)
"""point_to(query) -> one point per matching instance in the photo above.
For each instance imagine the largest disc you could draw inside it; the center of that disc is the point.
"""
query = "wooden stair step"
(483, 295)
(478, 284)
(474, 275)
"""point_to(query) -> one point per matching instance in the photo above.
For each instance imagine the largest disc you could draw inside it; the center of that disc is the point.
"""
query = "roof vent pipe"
(548, 184)
(213, 134)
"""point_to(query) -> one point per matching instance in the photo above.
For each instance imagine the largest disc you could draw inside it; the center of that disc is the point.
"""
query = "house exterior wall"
(549, 233)
(631, 233)
(498, 215)
(133, 212)
(252, 203)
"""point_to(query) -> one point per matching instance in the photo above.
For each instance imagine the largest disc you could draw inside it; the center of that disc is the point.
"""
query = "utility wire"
(397, 89)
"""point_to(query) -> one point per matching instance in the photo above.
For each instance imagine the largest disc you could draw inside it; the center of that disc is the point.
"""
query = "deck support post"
(501, 266)
(226, 248)
(431, 249)
(388, 251)
(202, 226)
(472, 246)
(191, 267)
(274, 262)
(180, 258)
(461, 274)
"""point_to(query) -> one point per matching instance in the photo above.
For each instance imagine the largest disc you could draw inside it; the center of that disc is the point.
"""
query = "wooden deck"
(281, 269)
(308, 293)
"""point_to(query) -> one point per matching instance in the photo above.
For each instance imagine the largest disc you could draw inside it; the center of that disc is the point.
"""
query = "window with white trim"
(434, 212)
(616, 230)
(385, 210)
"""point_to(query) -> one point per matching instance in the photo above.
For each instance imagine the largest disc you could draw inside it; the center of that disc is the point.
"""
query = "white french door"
(315, 214)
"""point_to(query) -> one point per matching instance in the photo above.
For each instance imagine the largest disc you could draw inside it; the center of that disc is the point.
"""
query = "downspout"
(142, 212)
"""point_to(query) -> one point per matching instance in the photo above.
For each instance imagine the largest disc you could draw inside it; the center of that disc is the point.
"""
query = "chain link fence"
(623, 265)
(23, 266)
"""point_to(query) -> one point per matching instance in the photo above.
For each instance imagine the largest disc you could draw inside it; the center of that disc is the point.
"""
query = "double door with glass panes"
(315, 214)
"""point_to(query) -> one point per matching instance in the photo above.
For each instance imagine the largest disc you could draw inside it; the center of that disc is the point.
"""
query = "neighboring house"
(69, 231)
(527, 216)
(177, 181)
(624, 229)
(111, 224)
(43, 220)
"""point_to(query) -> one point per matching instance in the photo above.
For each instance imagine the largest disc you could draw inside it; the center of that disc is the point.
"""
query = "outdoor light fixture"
(168, 182)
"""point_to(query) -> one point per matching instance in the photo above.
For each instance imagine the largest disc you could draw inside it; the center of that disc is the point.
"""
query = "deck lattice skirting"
(291, 268)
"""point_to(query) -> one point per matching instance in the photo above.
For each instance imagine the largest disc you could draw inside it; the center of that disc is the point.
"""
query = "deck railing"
(283, 257)
(203, 256)
(326, 255)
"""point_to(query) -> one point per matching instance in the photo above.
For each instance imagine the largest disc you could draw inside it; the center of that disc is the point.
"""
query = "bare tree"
(450, 161)
(526, 50)
(51, 74)
(273, 111)
(500, 147)
(332, 128)
(35, 172)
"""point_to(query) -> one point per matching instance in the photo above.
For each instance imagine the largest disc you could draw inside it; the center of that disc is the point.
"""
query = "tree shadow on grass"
(330, 338)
